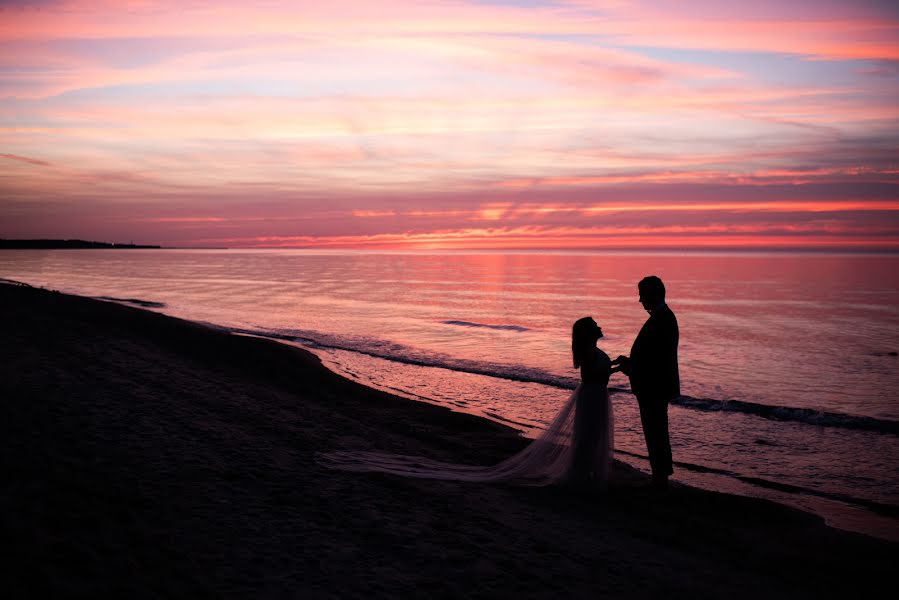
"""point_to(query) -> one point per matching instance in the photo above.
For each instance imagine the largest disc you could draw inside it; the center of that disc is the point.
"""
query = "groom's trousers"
(654, 417)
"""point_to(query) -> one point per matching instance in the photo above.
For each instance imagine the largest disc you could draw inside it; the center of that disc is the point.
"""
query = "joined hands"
(622, 364)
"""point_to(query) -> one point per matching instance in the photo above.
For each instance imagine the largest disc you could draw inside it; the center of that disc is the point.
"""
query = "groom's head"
(652, 292)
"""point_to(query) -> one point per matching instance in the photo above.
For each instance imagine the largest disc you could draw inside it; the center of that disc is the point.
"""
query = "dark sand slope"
(147, 456)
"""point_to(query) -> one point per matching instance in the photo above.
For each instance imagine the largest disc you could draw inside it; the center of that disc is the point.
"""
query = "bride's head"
(583, 339)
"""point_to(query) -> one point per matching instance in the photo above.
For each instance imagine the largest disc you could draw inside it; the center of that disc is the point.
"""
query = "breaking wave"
(411, 356)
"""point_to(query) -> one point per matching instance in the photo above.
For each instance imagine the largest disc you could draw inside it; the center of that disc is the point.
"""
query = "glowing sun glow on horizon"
(452, 123)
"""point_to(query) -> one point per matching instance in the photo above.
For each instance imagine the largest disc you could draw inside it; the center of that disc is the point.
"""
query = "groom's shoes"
(660, 484)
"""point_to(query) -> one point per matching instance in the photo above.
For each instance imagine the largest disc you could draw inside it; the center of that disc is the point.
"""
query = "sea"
(788, 361)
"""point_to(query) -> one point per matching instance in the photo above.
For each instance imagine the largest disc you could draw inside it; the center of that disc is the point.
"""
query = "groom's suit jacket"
(653, 360)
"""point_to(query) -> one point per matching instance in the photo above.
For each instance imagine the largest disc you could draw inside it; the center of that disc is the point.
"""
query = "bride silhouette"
(575, 449)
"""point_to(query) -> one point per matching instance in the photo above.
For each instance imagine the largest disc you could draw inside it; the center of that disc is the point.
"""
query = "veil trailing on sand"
(551, 458)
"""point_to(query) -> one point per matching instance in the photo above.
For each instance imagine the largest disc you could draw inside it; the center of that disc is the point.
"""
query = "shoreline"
(840, 511)
(155, 455)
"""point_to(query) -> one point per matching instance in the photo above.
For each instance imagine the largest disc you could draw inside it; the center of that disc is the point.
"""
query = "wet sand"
(147, 456)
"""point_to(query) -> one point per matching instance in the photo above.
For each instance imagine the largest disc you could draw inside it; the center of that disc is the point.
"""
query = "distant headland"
(66, 244)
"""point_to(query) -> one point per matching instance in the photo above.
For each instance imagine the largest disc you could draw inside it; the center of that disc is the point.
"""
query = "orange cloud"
(812, 235)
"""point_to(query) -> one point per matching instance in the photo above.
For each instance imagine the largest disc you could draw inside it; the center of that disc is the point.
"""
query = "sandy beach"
(147, 456)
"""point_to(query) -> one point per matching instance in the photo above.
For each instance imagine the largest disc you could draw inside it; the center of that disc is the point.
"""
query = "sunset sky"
(452, 124)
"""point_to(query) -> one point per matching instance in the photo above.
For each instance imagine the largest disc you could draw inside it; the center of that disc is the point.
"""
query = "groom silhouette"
(652, 369)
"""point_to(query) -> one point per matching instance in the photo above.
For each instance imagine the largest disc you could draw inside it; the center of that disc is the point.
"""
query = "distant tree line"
(56, 244)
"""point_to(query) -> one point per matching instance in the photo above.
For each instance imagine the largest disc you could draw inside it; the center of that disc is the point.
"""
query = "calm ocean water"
(788, 361)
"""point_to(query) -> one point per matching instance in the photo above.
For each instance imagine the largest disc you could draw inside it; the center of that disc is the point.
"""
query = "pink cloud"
(827, 32)
(25, 159)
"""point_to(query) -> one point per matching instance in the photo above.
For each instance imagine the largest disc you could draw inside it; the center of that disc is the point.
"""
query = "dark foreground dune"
(145, 456)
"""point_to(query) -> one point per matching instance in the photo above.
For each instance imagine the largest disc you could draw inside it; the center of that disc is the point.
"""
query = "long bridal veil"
(580, 433)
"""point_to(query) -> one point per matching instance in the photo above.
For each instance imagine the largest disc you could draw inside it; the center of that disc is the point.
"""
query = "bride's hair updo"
(583, 339)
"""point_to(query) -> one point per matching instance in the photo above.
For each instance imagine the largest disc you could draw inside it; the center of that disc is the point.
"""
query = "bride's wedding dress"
(575, 448)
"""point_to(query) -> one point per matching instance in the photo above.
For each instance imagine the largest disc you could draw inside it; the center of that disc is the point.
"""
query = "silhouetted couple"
(576, 449)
